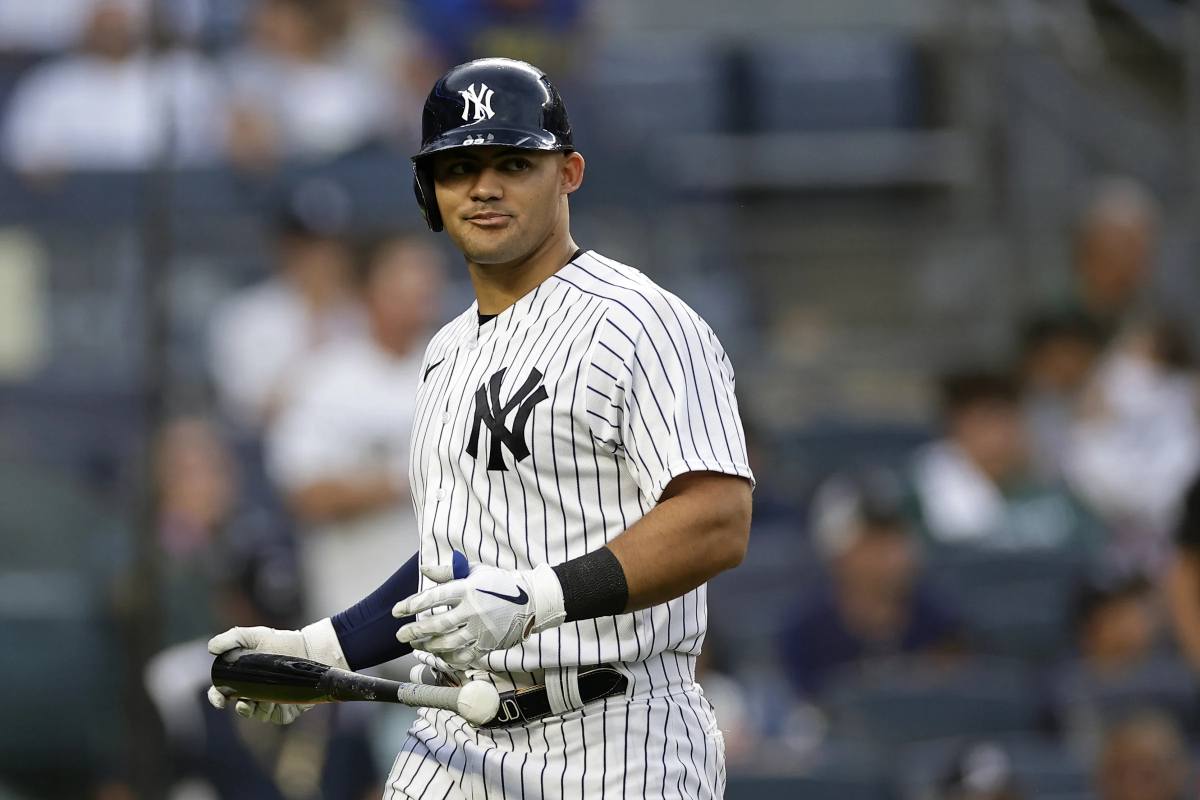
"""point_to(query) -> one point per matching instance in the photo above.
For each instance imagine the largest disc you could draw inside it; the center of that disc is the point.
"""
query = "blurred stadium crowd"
(975, 564)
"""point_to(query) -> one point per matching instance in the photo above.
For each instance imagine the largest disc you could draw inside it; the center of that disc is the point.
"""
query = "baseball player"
(577, 438)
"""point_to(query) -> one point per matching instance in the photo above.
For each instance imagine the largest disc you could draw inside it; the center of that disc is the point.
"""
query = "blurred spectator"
(1115, 248)
(341, 449)
(374, 36)
(297, 94)
(1183, 577)
(981, 771)
(1137, 443)
(113, 104)
(196, 495)
(1143, 758)
(1116, 624)
(1058, 354)
(42, 27)
(872, 603)
(976, 485)
(262, 335)
(203, 512)
(543, 32)
(326, 754)
(1116, 664)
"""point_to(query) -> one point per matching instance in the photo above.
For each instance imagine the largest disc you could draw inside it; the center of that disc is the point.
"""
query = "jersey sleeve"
(661, 393)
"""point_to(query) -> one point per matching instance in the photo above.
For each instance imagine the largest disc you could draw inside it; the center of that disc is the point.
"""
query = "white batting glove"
(490, 609)
(316, 642)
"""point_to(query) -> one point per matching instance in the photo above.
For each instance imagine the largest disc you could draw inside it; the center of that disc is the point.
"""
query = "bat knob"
(460, 565)
(478, 702)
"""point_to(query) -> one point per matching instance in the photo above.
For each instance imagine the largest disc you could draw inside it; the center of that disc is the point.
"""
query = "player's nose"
(487, 185)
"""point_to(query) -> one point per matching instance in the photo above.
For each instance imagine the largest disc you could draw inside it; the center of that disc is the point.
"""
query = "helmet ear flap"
(426, 198)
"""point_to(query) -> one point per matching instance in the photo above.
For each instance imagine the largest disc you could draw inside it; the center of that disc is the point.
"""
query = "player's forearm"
(700, 528)
(337, 499)
(367, 631)
(1183, 601)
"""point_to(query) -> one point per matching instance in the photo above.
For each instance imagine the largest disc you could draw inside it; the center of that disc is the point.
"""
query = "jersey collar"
(511, 318)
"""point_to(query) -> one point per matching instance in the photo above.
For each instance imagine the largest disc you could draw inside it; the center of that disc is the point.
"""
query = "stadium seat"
(1042, 768)
(774, 573)
(57, 641)
(805, 788)
(1013, 604)
(899, 702)
(830, 82)
(839, 770)
(825, 447)
(655, 85)
(1167, 684)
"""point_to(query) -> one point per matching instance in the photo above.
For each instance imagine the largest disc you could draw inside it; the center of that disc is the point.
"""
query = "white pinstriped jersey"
(545, 432)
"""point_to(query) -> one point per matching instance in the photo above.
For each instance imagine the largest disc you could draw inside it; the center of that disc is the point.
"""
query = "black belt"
(522, 706)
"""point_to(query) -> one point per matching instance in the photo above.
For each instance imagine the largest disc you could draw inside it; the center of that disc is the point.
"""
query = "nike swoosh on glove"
(490, 609)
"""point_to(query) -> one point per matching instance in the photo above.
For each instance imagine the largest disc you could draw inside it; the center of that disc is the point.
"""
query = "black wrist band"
(593, 585)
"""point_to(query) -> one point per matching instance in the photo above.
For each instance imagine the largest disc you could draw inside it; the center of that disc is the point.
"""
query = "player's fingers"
(264, 711)
(433, 625)
(461, 659)
(438, 573)
(223, 642)
(215, 698)
(245, 708)
(448, 594)
(283, 714)
(450, 642)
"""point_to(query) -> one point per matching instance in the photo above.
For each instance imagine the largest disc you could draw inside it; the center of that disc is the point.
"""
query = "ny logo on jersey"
(482, 100)
(493, 413)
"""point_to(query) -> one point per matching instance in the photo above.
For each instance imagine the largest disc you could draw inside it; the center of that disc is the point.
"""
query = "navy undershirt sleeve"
(367, 630)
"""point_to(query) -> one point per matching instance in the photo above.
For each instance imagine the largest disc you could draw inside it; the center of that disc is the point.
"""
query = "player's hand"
(317, 642)
(490, 609)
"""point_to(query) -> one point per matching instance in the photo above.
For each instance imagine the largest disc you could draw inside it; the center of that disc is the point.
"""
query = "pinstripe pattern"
(638, 391)
(666, 747)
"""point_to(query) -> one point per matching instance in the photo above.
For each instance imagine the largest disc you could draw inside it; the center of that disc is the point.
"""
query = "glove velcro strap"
(321, 643)
(547, 595)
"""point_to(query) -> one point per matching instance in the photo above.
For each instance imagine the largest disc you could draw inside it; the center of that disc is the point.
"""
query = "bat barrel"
(269, 677)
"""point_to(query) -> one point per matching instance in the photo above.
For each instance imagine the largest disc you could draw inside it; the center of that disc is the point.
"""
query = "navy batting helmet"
(490, 101)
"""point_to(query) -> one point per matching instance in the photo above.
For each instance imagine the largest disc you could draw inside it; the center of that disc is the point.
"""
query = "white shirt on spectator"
(318, 108)
(259, 340)
(83, 112)
(351, 413)
(44, 27)
(1134, 459)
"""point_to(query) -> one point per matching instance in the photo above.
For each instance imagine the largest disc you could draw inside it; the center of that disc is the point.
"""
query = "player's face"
(500, 204)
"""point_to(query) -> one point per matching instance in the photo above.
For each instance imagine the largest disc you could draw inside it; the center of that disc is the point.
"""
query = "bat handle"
(477, 702)
(461, 568)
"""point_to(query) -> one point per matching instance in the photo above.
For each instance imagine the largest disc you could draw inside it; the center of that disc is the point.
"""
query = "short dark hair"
(1100, 590)
(961, 389)
(1040, 329)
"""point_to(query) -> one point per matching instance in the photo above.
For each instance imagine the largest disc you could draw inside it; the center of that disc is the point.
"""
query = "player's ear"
(571, 174)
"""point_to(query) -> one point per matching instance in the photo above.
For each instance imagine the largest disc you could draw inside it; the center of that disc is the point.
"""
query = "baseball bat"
(288, 679)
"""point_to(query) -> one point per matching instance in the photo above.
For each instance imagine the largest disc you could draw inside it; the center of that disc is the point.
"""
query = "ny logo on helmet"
(482, 101)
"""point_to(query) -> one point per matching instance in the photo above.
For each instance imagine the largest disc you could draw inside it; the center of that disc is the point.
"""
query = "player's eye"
(458, 168)
(517, 164)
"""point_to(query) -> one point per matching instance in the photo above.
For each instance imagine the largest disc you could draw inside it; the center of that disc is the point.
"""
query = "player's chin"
(491, 246)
